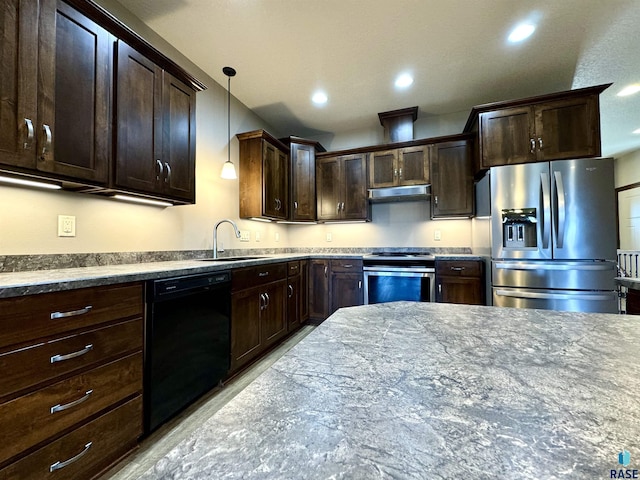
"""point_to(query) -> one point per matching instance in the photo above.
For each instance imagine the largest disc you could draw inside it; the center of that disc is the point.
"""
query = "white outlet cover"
(437, 235)
(66, 226)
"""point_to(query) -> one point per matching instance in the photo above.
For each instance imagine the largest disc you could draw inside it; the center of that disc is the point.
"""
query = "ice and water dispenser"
(519, 228)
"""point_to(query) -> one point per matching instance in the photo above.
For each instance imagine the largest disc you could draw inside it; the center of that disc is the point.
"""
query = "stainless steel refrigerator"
(553, 234)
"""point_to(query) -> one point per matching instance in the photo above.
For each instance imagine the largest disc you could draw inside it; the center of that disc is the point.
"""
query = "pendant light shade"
(229, 169)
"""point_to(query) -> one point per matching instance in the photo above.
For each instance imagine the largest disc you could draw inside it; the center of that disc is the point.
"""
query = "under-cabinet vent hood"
(400, 194)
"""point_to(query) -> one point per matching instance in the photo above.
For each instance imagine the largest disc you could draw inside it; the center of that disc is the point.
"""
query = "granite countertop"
(13, 284)
(421, 390)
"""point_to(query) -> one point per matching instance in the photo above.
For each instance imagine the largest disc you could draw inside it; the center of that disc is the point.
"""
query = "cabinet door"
(318, 289)
(303, 182)
(568, 129)
(346, 290)
(506, 136)
(274, 181)
(383, 169)
(179, 138)
(413, 166)
(451, 179)
(246, 342)
(139, 130)
(274, 313)
(75, 67)
(465, 290)
(18, 87)
(293, 303)
(355, 205)
(328, 188)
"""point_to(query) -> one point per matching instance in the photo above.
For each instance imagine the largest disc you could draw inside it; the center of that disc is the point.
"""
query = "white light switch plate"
(437, 235)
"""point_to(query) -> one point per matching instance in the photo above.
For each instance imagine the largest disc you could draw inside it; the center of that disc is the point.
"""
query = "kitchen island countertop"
(420, 390)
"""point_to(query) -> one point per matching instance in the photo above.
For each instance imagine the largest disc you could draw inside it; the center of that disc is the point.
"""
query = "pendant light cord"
(229, 119)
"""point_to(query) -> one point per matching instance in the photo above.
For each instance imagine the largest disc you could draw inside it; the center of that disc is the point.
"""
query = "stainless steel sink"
(228, 259)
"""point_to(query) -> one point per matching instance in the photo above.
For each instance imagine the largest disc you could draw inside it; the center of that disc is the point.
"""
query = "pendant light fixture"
(229, 169)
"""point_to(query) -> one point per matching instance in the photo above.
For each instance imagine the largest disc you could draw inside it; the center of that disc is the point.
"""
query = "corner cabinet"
(302, 178)
(56, 89)
(263, 176)
(550, 127)
(155, 129)
(451, 165)
(341, 187)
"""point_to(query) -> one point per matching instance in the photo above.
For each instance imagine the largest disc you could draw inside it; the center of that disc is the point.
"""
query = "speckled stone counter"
(428, 391)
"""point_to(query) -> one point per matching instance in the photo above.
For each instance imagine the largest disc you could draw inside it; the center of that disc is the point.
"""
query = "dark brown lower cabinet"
(633, 302)
(460, 281)
(334, 284)
(297, 294)
(258, 311)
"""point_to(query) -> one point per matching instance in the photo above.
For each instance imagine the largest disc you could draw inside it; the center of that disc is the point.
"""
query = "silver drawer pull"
(59, 408)
(263, 274)
(69, 356)
(457, 269)
(59, 465)
(72, 313)
(347, 265)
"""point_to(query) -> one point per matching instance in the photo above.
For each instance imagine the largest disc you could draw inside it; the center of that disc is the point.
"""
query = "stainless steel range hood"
(400, 194)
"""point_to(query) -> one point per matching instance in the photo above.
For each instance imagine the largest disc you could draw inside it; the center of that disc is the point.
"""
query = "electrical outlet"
(66, 226)
(437, 235)
(245, 235)
(257, 236)
(329, 237)
(277, 236)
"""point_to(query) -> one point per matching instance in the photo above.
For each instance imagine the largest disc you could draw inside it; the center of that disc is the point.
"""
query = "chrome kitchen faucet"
(215, 234)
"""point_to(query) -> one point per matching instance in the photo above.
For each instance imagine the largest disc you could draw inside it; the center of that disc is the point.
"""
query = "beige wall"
(28, 218)
(627, 169)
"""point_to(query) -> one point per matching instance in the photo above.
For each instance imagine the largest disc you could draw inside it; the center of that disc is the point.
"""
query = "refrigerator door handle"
(546, 210)
(561, 213)
(553, 296)
(510, 265)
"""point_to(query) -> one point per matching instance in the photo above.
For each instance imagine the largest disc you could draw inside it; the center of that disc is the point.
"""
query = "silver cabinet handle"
(167, 178)
(69, 356)
(359, 284)
(295, 205)
(290, 291)
(533, 145)
(263, 302)
(48, 138)
(160, 170)
(435, 200)
(59, 407)
(266, 295)
(30, 133)
(440, 288)
(72, 313)
(400, 173)
(457, 269)
(395, 172)
(343, 206)
(540, 145)
(326, 270)
(347, 265)
(59, 465)
(263, 274)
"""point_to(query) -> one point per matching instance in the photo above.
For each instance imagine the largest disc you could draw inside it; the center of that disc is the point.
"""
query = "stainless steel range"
(394, 276)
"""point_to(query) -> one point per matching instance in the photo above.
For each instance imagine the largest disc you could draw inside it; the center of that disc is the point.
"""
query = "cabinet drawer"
(293, 268)
(110, 436)
(461, 268)
(28, 420)
(47, 360)
(34, 316)
(346, 265)
(251, 276)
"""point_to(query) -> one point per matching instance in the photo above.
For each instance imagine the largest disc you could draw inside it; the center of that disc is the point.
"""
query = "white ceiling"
(457, 51)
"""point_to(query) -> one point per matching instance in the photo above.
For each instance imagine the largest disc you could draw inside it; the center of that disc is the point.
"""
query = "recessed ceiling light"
(521, 32)
(319, 98)
(637, 131)
(404, 80)
(629, 90)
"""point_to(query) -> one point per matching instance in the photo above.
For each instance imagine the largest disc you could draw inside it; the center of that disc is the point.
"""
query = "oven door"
(389, 284)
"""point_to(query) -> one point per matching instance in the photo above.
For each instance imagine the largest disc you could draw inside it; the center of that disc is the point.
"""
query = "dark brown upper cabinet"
(56, 120)
(155, 129)
(341, 188)
(451, 179)
(549, 127)
(263, 176)
(400, 166)
(302, 178)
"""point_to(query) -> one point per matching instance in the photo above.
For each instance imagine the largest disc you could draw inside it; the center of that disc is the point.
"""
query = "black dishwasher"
(187, 349)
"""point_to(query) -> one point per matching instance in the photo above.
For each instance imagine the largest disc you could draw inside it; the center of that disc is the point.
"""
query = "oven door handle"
(423, 272)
